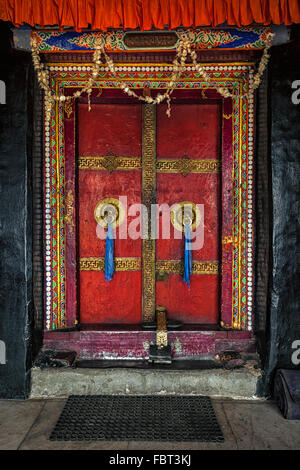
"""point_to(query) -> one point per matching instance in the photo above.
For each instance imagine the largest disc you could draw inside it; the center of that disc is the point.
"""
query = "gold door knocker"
(109, 210)
(185, 213)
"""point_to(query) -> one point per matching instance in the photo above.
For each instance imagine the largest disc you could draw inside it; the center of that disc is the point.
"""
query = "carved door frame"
(237, 187)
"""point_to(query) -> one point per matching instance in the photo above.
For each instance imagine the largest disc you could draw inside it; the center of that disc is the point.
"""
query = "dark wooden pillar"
(16, 306)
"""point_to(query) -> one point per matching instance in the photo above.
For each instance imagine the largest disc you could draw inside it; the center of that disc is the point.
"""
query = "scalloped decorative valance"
(146, 14)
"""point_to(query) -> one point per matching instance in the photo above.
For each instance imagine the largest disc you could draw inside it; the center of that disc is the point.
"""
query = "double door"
(132, 156)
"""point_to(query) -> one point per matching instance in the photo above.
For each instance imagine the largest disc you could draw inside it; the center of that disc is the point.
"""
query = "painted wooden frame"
(237, 184)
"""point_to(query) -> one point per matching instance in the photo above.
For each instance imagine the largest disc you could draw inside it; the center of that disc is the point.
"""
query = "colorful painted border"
(115, 41)
(235, 76)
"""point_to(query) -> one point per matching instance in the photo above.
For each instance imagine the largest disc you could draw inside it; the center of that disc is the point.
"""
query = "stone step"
(61, 382)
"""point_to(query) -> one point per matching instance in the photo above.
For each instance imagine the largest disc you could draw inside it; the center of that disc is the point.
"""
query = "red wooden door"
(192, 136)
(108, 129)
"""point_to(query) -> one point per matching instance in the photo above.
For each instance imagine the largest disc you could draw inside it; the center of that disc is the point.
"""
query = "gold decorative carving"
(186, 165)
(68, 108)
(121, 264)
(227, 239)
(225, 325)
(148, 197)
(161, 338)
(227, 242)
(177, 267)
(69, 207)
(227, 116)
(109, 163)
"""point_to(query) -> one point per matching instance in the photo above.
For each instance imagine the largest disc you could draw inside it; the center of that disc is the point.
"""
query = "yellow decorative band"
(188, 165)
(177, 267)
(181, 165)
(109, 163)
(121, 264)
(162, 266)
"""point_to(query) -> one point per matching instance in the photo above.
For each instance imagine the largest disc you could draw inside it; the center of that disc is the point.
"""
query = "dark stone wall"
(283, 312)
(16, 306)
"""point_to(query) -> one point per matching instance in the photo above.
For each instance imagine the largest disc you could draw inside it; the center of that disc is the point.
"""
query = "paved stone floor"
(246, 424)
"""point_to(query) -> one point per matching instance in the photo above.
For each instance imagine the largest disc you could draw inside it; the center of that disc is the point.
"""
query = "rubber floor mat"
(137, 418)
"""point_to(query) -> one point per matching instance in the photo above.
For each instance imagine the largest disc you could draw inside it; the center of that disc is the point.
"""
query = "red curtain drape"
(144, 14)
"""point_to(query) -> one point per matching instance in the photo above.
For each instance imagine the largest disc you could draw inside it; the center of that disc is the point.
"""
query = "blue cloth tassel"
(188, 268)
(109, 254)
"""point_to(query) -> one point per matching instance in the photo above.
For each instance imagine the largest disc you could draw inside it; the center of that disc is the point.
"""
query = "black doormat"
(137, 418)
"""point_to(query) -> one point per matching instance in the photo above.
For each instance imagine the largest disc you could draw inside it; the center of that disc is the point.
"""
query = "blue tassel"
(109, 254)
(188, 267)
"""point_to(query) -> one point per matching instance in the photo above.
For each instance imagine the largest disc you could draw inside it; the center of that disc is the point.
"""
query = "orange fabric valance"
(145, 14)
